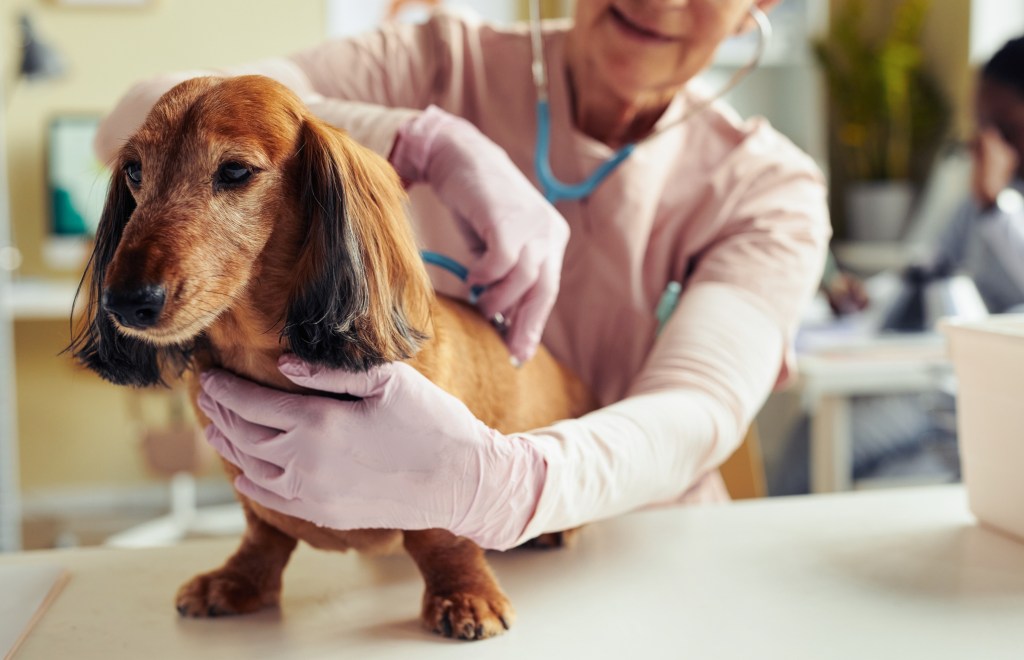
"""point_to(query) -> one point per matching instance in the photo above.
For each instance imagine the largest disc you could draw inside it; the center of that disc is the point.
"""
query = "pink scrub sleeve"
(368, 85)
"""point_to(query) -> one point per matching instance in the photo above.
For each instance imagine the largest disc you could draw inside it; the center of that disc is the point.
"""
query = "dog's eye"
(133, 171)
(233, 174)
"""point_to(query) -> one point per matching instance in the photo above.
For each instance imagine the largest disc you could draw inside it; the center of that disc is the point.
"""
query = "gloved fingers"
(362, 384)
(233, 426)
(253, 402)
(258, 441)
(337, 515)
(270, 499)
(504, 295)
(528, 321)
(256, 468)
(499, 258)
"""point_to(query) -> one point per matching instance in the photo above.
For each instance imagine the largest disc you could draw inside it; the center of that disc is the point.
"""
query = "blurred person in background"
(985, 238)
(915, 434)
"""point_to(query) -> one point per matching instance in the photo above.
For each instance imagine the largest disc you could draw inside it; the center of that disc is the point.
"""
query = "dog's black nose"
(135, 308)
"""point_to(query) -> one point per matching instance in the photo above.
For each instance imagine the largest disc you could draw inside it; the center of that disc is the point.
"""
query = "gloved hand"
(521, 237)
(408, 455)
(846, 294)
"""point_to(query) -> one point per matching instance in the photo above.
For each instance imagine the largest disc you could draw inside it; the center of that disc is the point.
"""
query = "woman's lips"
(637, 31)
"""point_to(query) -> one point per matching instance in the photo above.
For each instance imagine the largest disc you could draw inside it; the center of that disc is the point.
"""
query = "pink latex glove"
(407, 456)
(521, 238)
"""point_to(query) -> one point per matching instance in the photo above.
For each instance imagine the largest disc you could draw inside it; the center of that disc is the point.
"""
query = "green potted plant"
(888, 116)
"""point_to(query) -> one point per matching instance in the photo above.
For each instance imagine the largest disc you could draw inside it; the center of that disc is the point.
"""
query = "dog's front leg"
(462, 597)
(247, 582)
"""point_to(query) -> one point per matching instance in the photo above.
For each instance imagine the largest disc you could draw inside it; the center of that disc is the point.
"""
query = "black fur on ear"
(97, 344)
(362, 296)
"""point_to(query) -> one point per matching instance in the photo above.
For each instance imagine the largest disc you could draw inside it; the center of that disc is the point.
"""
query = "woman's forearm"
(372, 125)
(368, 85)
(711, 371)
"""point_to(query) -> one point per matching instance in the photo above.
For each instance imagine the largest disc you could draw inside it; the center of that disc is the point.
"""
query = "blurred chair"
(947, 187)
(743, 473)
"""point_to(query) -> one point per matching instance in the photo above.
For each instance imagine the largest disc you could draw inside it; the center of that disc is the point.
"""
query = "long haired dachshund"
(238, 227)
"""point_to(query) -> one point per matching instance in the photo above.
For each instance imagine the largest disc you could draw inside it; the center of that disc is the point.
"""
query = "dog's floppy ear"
(97, 344)
(362, 295)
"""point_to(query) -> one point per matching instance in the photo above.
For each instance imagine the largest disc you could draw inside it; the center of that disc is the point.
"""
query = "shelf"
(42, 299)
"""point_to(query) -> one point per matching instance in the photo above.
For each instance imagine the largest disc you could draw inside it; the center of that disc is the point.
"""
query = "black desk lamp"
(39, 61)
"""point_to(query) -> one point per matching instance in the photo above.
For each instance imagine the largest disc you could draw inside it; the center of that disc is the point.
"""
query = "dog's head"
(232, 192)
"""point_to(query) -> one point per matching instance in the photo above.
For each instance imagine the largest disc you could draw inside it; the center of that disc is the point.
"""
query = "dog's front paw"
(221, 593)
(466, 615)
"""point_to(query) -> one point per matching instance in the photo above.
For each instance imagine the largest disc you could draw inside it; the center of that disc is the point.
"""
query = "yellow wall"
(75, 430)
(946, 47)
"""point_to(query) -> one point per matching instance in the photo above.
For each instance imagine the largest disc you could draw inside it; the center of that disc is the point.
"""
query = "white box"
(988, 358)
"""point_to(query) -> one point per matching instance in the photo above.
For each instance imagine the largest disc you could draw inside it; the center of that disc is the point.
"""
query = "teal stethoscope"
(557, 190)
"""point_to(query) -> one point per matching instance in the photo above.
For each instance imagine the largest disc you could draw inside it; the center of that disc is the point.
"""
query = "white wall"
(346, 18)
(993, 23)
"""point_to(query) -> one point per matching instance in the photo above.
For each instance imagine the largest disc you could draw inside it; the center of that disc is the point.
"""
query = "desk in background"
(880, 574)
(831, 373)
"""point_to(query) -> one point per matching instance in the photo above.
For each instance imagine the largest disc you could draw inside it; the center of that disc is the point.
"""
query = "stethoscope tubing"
(555, 189)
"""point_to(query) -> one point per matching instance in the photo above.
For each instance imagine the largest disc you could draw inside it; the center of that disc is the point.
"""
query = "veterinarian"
(728, 208)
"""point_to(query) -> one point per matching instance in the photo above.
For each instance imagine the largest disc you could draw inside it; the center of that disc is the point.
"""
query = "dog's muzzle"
(135, 308)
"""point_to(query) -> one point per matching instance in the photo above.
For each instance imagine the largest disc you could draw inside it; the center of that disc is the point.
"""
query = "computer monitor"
(76, 186)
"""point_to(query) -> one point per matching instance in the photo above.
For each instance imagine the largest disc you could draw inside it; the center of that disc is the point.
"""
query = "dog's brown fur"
(313, 254)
